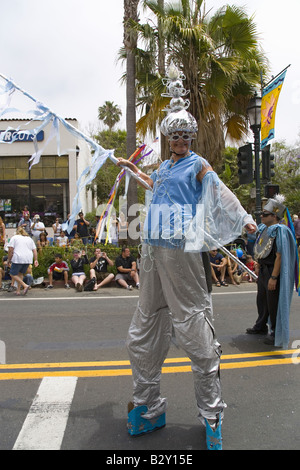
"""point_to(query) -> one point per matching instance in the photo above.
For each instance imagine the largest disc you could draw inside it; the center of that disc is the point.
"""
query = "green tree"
(110, 114)
(287, 173)
(106, 177)
(221, 59)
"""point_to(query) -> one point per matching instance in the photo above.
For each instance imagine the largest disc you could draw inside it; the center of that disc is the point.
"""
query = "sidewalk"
(60, 291)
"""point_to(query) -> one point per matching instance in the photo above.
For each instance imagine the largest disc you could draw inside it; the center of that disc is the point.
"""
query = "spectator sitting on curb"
(28, 278)
(77, 265)
(232, 269)
(127, 271)
(218, 267)
(251, 264)
(98, 265)
(58, 271)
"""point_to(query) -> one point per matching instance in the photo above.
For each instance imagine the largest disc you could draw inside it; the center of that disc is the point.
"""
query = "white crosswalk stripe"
(46, 421)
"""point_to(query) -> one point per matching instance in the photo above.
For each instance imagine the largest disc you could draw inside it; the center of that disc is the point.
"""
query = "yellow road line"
(53, 365)
(66, 366)
(45, 365)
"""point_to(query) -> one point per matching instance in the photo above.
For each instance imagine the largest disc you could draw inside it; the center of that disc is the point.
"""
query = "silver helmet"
(178, 118)
(275, 205)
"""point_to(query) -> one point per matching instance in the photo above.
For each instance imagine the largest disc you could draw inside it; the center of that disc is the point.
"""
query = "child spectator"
(25, 212)
(76, 242)
(251, 264)
(58, 271)
(62, 240)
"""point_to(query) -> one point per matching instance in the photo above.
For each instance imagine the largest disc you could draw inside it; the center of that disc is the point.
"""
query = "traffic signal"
(271, 190)
(245, 164)
(268, 164)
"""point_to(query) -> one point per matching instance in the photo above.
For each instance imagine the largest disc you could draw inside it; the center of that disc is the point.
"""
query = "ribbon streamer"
(105, 217)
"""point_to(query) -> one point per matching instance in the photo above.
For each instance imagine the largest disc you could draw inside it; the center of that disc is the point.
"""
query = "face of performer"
(180, 143)
(268, 218)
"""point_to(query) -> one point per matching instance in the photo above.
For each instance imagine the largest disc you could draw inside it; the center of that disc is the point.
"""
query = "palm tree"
(130, 44)
(110, 114)
(221, 59)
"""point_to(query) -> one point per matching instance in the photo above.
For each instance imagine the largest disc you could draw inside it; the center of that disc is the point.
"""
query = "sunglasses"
(175, 137)
(265, 214)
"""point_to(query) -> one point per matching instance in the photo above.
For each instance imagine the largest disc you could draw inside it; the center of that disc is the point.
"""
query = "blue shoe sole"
(213, 438)
(137, 425)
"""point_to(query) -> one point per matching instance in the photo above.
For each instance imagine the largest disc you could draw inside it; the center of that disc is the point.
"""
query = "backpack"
(90, 285)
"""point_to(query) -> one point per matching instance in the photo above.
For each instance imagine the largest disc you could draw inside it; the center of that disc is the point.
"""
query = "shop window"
(49, 173)
(21, 174)
(62, 173)
(21, 162)
(36, 172)
(9, 162)
(62, 162)
(48, 162)
(9, 174)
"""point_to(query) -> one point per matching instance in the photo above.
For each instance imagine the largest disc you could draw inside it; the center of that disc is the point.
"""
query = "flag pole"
(267, 84)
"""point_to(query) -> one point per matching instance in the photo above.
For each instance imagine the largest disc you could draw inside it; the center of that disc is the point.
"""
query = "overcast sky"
(64, 53)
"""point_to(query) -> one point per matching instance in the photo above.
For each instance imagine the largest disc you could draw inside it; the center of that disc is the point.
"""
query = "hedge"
(46, 257)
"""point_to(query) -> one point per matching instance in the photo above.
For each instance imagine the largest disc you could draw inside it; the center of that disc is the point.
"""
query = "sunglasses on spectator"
(174, 137)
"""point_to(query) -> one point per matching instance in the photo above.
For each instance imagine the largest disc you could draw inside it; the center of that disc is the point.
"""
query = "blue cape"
(287, 247)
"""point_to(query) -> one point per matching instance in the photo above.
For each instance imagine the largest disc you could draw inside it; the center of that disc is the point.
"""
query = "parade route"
(72, 346)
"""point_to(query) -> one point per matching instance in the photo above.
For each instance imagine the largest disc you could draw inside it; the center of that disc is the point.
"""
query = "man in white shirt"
(21, 251)
(37, 228)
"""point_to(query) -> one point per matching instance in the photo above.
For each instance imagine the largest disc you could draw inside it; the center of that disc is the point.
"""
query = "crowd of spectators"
(224, 270)
(74, 273)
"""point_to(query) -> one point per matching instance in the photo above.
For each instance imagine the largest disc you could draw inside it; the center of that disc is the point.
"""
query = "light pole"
(254, 114)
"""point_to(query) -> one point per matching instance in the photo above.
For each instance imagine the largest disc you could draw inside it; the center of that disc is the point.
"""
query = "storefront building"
(48, 188)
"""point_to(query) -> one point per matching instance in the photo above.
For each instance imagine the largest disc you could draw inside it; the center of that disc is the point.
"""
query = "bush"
(47, 255)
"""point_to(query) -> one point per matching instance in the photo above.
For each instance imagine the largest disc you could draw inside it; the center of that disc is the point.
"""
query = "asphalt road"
(67, 369)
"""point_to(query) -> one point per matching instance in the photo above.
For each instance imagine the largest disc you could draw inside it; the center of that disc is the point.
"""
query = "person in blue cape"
(190, 213)
(276, 252)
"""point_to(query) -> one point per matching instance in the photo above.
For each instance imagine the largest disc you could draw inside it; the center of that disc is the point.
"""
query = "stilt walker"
(191, 212)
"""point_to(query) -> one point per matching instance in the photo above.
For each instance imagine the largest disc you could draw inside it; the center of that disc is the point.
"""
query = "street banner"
(270, 95)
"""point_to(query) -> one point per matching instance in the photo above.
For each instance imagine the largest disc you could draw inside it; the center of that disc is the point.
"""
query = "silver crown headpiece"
(178, 118)
(276, 205)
